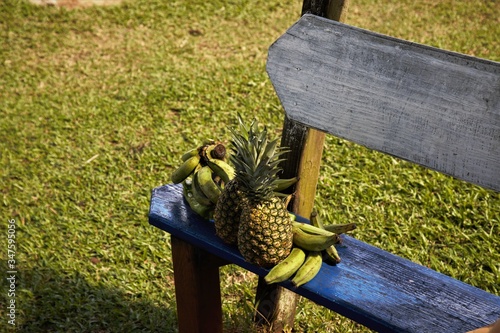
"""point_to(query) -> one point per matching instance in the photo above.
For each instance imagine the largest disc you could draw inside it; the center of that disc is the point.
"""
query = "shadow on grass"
(53, 301)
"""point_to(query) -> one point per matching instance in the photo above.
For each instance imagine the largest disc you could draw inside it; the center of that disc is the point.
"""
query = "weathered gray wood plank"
(433, 107)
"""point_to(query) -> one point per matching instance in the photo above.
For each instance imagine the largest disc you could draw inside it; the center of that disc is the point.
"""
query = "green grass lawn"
(98, 104)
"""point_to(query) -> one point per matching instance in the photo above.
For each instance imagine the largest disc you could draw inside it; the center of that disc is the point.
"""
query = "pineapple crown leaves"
(256, 160)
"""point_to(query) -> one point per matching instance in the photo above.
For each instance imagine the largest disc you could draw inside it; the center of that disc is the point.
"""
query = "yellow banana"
(207, 184)
(309, 269)
(340, 228)
(221, 169)
(198, 192)
(313, 242)
(185, 170)
(187, 155)
(199, 209)
(287, 267)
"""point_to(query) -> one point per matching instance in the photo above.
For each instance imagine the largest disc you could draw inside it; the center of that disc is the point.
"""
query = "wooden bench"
(432, 107)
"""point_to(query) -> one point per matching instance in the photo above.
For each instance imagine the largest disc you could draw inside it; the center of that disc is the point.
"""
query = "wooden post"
(276, 305)
(197, 288)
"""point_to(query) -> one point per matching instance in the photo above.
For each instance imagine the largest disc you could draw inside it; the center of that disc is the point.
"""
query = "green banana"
(198, 193)
(207, 184)
(185, 170)
(199, 209)
(187, 155)
(332, 255)
(287, 267)
(340, 228)
(315, 220)
(310, 229)
(331, 252)
(335, 228)
(221, 169)
(283, 184)
(313, 242)
(309, 269)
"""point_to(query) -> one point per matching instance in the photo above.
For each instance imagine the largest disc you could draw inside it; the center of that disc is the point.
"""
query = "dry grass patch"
(71, 4)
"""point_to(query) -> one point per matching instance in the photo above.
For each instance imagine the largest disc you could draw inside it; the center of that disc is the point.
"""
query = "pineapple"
(265, 233)
(228, 208)
(264, 227)
(227, 213)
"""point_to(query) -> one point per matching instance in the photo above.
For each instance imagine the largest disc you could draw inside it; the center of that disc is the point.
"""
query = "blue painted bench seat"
(373, 287)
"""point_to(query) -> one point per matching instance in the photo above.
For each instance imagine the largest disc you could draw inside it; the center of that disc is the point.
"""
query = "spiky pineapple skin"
(227, 212)
(265, 234)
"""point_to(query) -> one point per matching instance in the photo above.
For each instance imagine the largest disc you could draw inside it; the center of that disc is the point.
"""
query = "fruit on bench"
(286, 268)
(332, 256)
(265, 235)
(228, 212)
(340, 228)
(283, 184)
(305, 237)
(248, 208)
(264, 226)
(204, 211)
(203, 185)
(312, 240)
(209, 187)
(309, 269)
(185, 170)
(207, 173)
(221, 169)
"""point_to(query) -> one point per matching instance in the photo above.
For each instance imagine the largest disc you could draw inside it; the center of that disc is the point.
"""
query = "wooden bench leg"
(275, 307)
(197, 288)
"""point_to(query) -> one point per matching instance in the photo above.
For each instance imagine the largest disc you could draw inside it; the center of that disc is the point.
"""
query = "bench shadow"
(64, 301)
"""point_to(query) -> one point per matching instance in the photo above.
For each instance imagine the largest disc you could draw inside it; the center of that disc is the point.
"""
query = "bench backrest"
(432, 107)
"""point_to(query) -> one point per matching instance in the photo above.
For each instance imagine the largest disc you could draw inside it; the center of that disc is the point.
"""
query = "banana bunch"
(313, 243)
(203, 174)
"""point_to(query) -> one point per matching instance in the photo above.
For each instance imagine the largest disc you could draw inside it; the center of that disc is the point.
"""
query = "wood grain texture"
(371, 286)
(197, 288)
(436, 108)
(309, 170)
